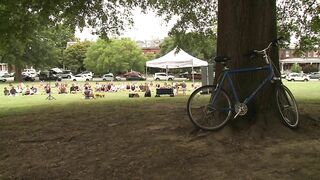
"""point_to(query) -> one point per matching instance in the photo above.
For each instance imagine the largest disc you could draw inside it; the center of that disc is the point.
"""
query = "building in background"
(150, 46)
(288, 58)
(4, 68)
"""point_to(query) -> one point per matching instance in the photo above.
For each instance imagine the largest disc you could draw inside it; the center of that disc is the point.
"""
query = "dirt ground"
(150, 141)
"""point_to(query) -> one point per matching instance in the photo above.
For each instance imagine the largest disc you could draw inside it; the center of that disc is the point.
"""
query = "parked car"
(184, 75)
(297, 77)
(314, 75)
(197, 76)
(6, 77)
(108, 77)
(163, 76)
(28, 78)
(119, 78)
(66, 74)
(29, 72)
(87, 73)
(81, 77)
(49, 76)
(134, 77)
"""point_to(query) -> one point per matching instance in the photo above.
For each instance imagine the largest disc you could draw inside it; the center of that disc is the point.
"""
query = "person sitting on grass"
(141, 88)
(34, 90)
(6, 91)
(73, 89)
(62, 89)
(88, 93)
(147, 90)
(133, 87)
(128, 87)
(13, 91)
(47, 89)
(19, 89)
(98, 87)
(26, 91)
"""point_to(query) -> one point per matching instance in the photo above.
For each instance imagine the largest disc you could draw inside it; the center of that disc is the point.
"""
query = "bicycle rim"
(205, 114)
(287, 107)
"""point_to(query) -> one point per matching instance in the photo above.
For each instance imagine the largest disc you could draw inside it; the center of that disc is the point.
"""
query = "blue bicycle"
(210, 107)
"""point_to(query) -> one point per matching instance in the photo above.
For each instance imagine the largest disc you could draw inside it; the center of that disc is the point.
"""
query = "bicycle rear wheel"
(206, 114)
(287, 107)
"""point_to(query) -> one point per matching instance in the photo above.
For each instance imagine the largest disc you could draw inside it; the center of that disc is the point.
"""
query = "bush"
(309, 68)
(296, 68)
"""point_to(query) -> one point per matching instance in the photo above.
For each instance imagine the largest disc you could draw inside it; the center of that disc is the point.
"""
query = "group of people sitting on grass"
(20, 89)
(88, 91)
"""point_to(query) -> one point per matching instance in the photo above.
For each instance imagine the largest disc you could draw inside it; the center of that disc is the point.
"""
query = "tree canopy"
(116, 55)
(21, 20)
(202, 46)
(74, 55)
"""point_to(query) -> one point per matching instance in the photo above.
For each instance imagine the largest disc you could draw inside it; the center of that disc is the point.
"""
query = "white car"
(29, 72)
(81, 77)
(87, 73)
(108, 77)
(6, 77)
(297, 77)
(163, 76)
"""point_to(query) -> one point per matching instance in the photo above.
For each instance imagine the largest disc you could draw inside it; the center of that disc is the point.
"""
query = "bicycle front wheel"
(206, 114)
(287, 107)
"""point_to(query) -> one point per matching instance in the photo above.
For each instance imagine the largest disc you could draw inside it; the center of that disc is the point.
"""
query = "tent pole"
(146, 72)
(208, 83)
(192, 74)
(167, 72)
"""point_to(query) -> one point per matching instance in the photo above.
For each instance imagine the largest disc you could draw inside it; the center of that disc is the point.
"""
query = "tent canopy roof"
(173, 60)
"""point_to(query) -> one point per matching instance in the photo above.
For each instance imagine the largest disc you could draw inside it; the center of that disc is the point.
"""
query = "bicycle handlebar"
(254, 53)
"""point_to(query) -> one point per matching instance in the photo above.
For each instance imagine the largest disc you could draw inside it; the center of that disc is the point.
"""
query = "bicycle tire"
(287, 107)
(207, 114)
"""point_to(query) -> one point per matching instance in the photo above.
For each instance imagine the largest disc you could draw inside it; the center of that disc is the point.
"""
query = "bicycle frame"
(226, 76)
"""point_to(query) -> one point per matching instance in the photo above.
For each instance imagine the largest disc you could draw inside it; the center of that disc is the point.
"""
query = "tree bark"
(245, 25)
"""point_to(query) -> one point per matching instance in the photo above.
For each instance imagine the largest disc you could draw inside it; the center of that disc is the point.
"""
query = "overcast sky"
(146, 27)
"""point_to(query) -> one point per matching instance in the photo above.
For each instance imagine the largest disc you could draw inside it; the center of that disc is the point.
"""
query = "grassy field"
(305, 92)
(21, 104)
(117, 137)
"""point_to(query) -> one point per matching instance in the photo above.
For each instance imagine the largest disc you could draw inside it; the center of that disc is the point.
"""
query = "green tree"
(200, 45)
(296, 68)
(45, 48)
(75, 55)
(116, 55)
(20, 19)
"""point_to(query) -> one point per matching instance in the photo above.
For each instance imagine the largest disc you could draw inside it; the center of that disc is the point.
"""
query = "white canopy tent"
(176, 59)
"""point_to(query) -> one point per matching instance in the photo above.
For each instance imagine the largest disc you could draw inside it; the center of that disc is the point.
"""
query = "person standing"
(183, 87)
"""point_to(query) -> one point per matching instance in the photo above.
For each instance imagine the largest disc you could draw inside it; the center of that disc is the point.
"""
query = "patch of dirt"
(149, 142)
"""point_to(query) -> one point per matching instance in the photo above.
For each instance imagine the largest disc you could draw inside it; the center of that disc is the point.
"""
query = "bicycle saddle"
(221, 59)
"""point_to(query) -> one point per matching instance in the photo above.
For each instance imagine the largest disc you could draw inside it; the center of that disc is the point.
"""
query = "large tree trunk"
(244, 25)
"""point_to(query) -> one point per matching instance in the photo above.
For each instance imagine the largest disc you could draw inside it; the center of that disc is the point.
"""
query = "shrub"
(296, 68)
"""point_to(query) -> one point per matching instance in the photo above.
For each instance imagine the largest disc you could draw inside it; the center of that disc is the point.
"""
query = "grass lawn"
(304, 92)
(117, 137)
(23, 104)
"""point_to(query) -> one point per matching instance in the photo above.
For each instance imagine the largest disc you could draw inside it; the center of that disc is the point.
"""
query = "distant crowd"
(89, 91)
